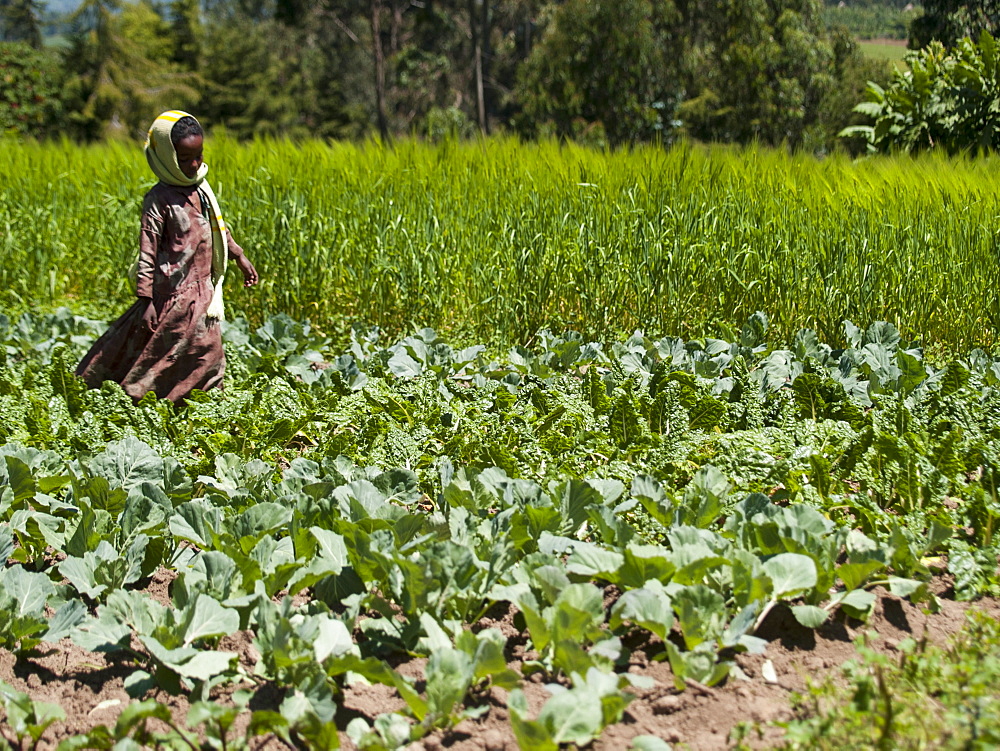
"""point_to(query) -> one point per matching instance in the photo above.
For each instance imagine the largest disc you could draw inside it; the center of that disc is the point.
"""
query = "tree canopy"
(608, 71)
(948, 21)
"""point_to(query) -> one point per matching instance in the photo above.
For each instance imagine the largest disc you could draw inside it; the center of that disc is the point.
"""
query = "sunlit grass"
(892, 50)
(493, 240)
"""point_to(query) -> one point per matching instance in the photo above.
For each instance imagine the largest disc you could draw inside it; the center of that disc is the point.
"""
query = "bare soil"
(90, 689)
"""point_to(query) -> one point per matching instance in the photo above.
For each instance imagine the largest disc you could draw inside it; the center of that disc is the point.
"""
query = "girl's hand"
(250, 277)
(149, 315)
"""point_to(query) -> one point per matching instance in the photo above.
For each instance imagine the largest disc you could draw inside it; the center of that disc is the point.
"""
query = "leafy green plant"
(679, 488)
(208, 725)
(564, 620)
(574, 715)
(886, 699)
(25, 721)
(946, 99)
(173, 640)
(23, 620)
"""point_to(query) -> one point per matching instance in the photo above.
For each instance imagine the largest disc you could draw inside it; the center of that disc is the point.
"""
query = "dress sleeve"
(150, 233)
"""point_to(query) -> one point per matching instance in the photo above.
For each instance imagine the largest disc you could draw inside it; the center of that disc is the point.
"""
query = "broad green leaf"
(810, 616)
(904, 587)
(196, 521)
(703, 498)
(591, 560)
(749, 582)
(146, 507)
(128, 463)
(858, 603)
(855, 575)
(701, 614)
(449, 674)
(20, 479)
(436, 637)
(695, 563)
(90, 528)
(649, 743)
(211, 572)
(30, 590)
(646, 609)
(399, 485)
(188, 662)
(330, 545)
(6, 542)
(707, 413)
(573, 497)
(551, 580)
(700, 664)
(102, 634)
(80, 573)
(66, 618)
(260, 519)
(572, 717)
(208, 618)
(911, 372)
(610, 490)
(531, 735)
(585, 598)
(791, 574)
(333, 639)
(645, 562)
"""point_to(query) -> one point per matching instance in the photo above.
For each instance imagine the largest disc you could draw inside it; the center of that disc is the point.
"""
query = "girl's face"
(189, 157)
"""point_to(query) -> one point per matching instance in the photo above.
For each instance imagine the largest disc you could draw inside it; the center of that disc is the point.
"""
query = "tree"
(123, 73)
(19, 22)
(265, 76)
(188, 33)
(763, 67)
(948, 21)
(29, 99)
(853, 72)
(377, 10)
(599, 68)
(480, 22)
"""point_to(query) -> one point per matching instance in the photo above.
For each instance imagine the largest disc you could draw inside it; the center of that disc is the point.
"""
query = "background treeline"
(873, 19)
(600, 71)
(604, 72)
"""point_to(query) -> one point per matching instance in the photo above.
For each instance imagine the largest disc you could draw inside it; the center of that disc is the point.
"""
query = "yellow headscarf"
(162, 158)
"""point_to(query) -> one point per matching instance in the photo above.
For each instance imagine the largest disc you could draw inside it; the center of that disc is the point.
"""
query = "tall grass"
(493, 240)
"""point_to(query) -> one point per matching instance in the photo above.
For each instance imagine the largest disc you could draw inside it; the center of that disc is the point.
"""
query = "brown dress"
(184, 351)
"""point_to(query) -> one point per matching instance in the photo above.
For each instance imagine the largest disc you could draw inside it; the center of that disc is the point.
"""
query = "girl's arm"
(236, 253)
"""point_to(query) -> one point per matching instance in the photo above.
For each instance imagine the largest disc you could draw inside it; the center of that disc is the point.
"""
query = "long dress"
(184, 351)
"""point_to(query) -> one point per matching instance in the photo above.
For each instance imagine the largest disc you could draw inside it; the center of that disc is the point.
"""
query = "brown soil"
(90, 689)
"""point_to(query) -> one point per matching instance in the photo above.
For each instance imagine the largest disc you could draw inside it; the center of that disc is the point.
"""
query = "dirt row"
(90, 687)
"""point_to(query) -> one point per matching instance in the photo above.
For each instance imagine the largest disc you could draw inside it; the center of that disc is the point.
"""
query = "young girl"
(170, 341)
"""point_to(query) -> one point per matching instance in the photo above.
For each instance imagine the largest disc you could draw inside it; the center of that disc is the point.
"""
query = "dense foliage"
(885, 702)
(947, 21)
(30, 103)
(609, 71)
(948, 99)
(402, 491)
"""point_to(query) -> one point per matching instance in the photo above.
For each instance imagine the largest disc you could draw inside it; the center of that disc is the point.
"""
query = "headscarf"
(162, 158)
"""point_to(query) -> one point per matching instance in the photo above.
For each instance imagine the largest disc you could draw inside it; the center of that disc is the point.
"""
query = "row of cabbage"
(385, 573)
(403, 491)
